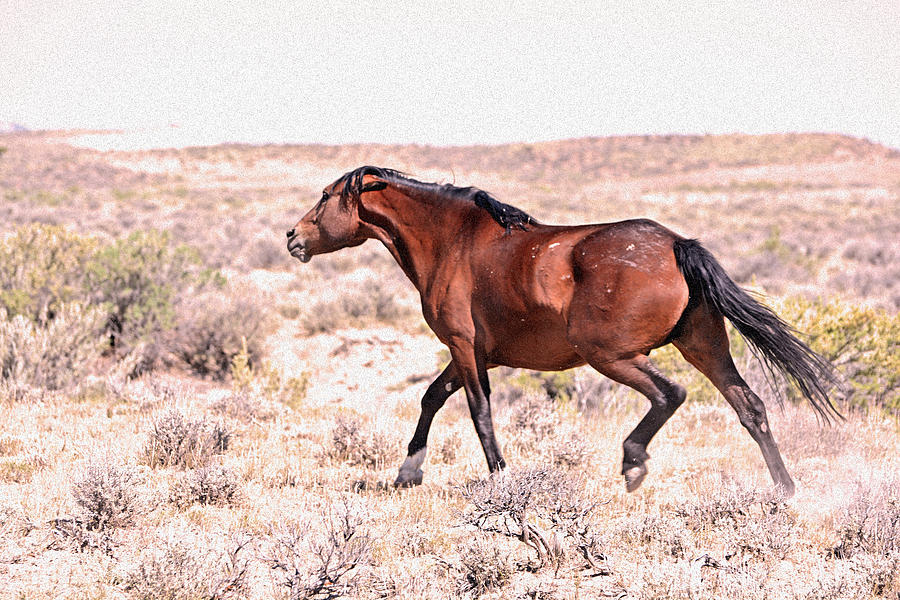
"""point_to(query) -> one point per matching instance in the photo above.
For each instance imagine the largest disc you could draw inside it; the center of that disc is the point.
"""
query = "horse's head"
(333, 223)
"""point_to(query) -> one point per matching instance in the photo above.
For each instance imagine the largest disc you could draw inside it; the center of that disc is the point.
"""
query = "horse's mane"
(507, 216)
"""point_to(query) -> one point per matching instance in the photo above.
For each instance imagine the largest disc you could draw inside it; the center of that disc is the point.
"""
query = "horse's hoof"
(786, 489)
(634, 477)
(409, 479)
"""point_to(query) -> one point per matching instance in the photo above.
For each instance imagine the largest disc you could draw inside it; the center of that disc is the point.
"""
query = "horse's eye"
(320, 207)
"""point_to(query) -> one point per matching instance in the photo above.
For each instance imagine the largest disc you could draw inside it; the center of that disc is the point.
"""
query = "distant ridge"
(10, 127)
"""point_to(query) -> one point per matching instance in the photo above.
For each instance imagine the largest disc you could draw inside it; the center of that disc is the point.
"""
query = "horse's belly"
(538, 345)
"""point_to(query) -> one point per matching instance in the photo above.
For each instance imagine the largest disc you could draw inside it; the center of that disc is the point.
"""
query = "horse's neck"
(414, 229)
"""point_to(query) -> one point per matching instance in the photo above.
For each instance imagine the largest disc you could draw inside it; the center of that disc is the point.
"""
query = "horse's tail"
(769, 337)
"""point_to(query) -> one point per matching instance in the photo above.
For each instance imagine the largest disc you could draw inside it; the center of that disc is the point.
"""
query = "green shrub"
(41, 268)
(553, 386)
(252, 384)
(136, 282)
(20, 470)
(862, 342)
(138, 278)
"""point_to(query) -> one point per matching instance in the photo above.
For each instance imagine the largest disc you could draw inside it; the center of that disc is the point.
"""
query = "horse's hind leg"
(704, 343)
(665, 397)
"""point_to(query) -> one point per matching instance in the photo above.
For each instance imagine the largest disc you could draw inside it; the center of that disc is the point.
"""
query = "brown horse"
(499, 288)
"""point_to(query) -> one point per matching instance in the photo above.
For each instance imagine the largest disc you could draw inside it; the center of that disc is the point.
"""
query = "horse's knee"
(670, 395)
(669, 398)
(676, 396)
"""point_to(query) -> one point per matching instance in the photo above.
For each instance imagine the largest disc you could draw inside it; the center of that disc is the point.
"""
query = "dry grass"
(274, 481)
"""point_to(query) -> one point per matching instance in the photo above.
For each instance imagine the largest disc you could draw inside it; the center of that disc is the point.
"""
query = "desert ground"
(188, 412)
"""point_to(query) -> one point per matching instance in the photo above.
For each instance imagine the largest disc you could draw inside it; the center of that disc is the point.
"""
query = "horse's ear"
(374, 186)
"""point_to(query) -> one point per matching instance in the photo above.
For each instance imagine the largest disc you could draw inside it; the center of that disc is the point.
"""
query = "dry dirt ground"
(297, 503)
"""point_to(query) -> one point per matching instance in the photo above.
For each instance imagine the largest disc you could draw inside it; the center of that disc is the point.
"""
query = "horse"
(500, 288)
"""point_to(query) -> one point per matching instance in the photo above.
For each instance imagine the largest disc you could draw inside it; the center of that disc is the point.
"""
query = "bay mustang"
(499, 288)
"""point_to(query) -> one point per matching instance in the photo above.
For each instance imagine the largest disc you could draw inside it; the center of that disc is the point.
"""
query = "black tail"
(770, 338)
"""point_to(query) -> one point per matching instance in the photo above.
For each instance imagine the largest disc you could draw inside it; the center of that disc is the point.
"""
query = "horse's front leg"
(435, 396)
(470, 365)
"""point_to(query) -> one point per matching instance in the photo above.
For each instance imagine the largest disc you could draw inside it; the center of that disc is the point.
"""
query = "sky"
(450, 73)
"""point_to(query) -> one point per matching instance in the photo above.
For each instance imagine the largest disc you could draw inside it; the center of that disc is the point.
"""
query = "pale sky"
(452, 72)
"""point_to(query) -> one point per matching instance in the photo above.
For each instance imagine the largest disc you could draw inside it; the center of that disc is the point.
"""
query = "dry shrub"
(371, 301)
(870, 523)
(569, 450)
(14, 524)
(53, 355)
(107, 499)
(662, 533)
(175, 441)
(107, 496)
(595, 393)
(73, 534)
(10, 446)
(243, 406)
(483, 567)
(188, 571)
(21, 470)
(285, 474)
(517, 502)
(213, 484)
(864, 576)
(447, 449)
(323, 558)
(535, 416)
(749, 522)
(807, 436)
(534, 422)
(267, 251)
(213, 328)
(539, 429)
(701, 578)
(352, 441)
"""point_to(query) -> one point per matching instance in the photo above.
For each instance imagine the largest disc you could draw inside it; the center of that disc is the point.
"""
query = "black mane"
(507, 216)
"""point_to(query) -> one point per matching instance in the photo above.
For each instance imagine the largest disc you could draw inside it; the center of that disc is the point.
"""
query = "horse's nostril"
(290, 233)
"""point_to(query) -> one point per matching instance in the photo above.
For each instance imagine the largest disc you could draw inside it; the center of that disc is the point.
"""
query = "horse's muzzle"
(297, 248)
